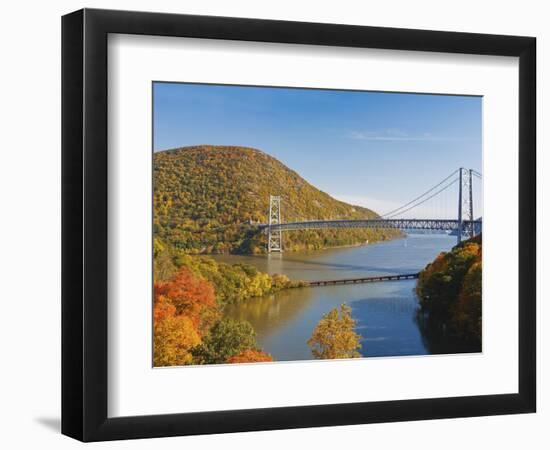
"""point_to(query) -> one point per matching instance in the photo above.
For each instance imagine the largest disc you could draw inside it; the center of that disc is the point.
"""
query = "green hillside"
(206, 197)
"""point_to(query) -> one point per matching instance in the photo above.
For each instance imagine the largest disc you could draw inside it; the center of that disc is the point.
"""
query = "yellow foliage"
(174, 337)
(335, 336)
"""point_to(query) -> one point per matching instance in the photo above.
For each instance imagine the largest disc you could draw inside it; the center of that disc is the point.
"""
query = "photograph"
(296, 224)
(262, 225)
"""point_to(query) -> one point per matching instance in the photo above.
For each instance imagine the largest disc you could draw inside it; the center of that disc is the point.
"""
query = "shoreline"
(362, 244)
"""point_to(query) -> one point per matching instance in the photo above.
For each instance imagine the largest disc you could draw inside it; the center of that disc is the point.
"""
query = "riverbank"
(304, 241)
(316, 240)
(233, 282)
(449, 289)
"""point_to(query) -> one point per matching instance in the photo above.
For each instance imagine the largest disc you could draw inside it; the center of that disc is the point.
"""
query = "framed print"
(273, 224)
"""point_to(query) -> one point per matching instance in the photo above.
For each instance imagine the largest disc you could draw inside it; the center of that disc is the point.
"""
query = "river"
(384, 312)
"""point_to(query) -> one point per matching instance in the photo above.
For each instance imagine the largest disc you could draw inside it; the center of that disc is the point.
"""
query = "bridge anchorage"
(463, 225)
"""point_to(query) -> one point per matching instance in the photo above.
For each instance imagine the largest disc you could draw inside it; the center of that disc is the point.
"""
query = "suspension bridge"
(463, 224)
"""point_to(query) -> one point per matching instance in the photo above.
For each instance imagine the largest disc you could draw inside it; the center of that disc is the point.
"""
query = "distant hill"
(206, 196)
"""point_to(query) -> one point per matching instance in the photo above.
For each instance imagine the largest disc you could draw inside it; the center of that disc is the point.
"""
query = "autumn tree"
(174, 337)
(467, 312)
(334, 337)
(227, 338)
(250, 356)
(162, 309)
(449, 291)
(192, 297)
(188, 328)
(184, 309)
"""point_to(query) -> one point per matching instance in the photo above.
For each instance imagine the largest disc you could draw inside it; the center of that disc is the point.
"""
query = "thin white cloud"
(398, 135)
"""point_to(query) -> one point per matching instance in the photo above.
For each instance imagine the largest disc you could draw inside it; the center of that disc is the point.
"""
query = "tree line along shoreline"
(449, 290)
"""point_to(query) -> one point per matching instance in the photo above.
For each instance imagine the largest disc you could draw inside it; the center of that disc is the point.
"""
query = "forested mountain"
(206, 199)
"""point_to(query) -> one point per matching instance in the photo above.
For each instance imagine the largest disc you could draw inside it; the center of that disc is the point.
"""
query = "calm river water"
(384, 312)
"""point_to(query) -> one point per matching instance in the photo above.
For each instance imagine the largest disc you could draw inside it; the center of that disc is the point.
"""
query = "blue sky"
(370, 148)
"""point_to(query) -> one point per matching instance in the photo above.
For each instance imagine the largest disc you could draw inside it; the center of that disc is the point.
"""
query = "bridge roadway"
(402, 224)
(408, 276)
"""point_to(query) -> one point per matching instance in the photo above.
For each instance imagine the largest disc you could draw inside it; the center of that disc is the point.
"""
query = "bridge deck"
(408, 276)
(412, 224)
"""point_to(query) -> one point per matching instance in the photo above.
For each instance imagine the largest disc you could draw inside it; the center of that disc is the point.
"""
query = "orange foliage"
(162, 309)
(249, 356)
(184, 311)
(184, 308)
(191, 296)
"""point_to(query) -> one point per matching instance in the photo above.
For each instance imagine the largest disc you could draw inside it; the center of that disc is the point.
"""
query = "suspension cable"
(426, 199)
(396, 211)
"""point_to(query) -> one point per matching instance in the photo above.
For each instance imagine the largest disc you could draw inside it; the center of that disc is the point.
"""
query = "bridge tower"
(465, 203)
(274, 237)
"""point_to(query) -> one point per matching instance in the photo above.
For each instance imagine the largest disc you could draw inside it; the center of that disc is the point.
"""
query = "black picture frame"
(84, 224)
